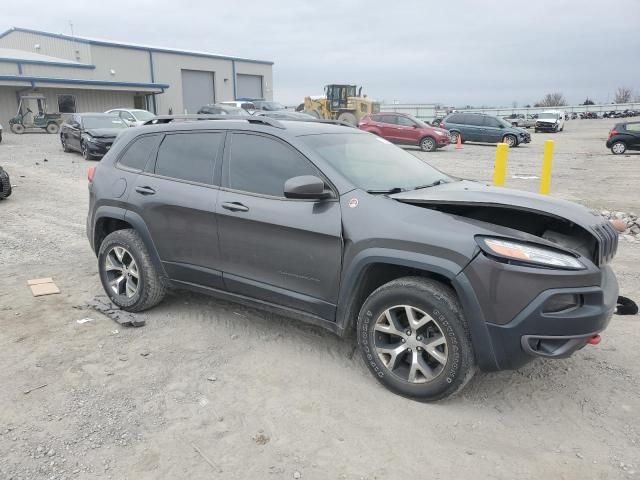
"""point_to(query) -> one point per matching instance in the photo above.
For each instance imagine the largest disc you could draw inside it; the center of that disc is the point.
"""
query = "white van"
(550, 121)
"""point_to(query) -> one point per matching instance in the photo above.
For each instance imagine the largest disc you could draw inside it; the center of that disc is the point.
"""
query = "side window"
(139, 152)
(262, 165)
(633, 127)
(390, 119)
(405, 122)
(189, 156)
(127, 116)
(474, 119)
(455, 119)
(491, 122)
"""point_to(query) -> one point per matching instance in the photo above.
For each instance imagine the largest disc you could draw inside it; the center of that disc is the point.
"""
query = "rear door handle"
(235, 207)
(145, 190)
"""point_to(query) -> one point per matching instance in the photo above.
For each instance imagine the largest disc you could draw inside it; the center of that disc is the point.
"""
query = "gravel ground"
(209, 389)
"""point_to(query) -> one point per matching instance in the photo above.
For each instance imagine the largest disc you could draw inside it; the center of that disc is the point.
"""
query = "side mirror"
(305, 187)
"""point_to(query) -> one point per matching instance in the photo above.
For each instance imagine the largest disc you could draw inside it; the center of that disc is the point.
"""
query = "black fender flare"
(347, 308)
(138, 224)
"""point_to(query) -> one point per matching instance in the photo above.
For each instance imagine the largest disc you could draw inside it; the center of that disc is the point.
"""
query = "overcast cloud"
(452, 52)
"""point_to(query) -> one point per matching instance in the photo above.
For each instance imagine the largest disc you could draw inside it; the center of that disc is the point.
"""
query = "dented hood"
(470, 193)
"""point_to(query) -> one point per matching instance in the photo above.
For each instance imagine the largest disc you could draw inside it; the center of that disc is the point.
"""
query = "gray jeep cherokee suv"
(339, 228)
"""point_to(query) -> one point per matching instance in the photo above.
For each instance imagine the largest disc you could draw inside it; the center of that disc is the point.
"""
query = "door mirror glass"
(305, 187)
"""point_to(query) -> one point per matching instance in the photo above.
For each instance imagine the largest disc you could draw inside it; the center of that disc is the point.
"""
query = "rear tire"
(618, 148)
(454, 137)
(53, 128)
(428, 144)
(17, 128)
(145, 292)
(348, 117)
(414, 339)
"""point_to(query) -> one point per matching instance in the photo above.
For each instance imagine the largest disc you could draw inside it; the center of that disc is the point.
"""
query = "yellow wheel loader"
(341, 102)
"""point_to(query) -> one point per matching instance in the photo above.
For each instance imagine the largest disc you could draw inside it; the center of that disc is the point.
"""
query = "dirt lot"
(213, 390)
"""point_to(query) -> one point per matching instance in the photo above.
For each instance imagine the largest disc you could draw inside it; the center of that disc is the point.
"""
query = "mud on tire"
(450, 367)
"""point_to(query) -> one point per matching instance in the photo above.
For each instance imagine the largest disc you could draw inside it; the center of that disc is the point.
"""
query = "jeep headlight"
(526, 253)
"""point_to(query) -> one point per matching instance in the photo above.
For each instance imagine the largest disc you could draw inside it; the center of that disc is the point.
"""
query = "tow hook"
(595, 340)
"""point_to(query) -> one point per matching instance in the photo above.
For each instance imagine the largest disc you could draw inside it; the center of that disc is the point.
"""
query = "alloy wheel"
(122, 272)
(427, 144)
(509, 140)
(410, 344)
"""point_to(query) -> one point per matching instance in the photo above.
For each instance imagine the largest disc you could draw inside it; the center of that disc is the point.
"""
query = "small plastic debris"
(84, 320)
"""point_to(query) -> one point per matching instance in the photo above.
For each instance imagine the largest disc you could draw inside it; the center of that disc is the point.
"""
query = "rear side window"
(455, 119)
(262, 165)
(391, 119)
(189, 156)
(139, 152)
(471, 119)
(405, 122)
(633, 127)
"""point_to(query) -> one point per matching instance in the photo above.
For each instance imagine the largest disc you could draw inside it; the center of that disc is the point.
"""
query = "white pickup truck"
(522, 120)
(550, 121)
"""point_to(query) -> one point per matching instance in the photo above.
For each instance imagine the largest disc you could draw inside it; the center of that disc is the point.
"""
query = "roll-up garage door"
(197, 89)
(248, 86)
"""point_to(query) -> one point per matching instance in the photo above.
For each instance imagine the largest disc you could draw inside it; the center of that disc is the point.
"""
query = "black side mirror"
(306, 187)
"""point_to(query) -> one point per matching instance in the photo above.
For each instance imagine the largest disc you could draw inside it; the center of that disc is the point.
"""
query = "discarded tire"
(5, 184)
(626, 306)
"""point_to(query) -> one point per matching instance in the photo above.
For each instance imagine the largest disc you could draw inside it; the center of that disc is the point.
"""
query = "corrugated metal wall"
(86, 100)
(55, 47)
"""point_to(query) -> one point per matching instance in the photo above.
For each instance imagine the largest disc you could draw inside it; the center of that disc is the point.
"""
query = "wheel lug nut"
(419, 339)
(408, 332)
(403, 340)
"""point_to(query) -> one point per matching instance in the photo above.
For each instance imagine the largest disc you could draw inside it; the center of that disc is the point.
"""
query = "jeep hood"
(557, 221)
(466, 192)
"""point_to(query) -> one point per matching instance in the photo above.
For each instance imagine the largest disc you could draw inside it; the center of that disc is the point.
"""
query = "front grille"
(607, 242)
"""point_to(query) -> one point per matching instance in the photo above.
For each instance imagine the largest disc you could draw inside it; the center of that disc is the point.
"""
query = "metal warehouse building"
(78, 74)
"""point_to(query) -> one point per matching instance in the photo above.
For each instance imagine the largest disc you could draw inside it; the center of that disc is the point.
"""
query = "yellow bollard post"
(547, 164)
(500, 170)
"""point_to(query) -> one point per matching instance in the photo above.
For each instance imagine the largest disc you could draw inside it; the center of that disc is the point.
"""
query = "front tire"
(414, 339)
(618, 148)
(85, 152)
(454, 136)
(348, 117)
(127, 273)
(510, 140)
(428, 144)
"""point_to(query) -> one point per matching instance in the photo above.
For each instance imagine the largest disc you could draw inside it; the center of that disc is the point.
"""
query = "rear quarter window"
(633, 127)
(139, 152)
(189, 156)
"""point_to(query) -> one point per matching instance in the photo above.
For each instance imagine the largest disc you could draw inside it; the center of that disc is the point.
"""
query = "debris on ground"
(84, 320)
(42, 286)
(28, 391)
(102, 304)
(212, 378)
(261, 439)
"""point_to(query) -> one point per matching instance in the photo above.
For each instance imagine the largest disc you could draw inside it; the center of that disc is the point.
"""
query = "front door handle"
(235, 207)
(145, 190)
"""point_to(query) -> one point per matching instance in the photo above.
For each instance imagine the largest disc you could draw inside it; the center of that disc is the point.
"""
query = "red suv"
(405, 129)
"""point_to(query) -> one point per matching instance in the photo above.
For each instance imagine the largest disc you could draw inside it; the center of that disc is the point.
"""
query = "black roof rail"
(162, 119)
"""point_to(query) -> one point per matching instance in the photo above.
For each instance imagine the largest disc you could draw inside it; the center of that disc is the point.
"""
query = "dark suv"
(339, 228)
(479, 127)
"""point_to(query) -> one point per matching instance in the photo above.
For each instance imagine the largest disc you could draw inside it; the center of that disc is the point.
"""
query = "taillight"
(612, 133)
(91, 173)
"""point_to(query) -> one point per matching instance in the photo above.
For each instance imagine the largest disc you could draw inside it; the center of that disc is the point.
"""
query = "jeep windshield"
(374, 164)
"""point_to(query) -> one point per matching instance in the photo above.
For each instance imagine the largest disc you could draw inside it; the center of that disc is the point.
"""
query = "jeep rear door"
(176, 198)
(283, 251)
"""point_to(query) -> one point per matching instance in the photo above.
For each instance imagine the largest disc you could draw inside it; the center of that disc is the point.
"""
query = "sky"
(456, 52)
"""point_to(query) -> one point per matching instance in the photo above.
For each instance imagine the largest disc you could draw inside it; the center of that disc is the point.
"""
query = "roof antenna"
(71, 26)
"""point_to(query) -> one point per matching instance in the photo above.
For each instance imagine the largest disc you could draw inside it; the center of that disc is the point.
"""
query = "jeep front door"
(282, 251)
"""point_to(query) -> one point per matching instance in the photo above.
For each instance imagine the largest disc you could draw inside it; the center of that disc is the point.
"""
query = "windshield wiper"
(389, 191)
(440, 181)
